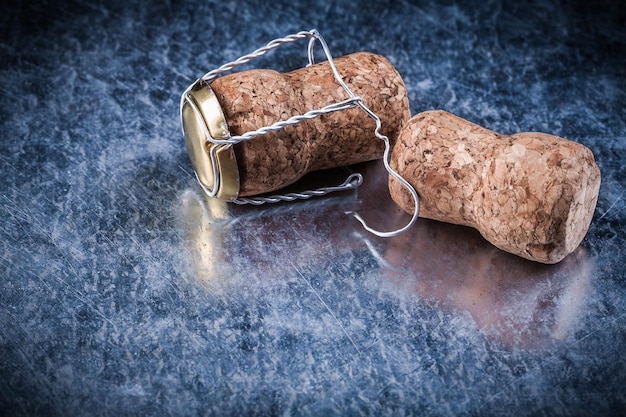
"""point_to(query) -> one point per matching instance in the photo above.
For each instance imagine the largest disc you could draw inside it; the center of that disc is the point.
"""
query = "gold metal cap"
(203, 119)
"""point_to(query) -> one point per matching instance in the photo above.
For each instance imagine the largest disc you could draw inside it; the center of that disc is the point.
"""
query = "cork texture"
(530, 194)
(257, 98)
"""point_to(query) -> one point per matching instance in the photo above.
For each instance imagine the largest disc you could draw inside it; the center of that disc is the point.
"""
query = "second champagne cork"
(530, 194)
(249, 100)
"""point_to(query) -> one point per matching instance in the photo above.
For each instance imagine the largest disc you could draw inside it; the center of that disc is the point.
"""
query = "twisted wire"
(280, 125)
(353, 181)
(209, 76)
(393, 173)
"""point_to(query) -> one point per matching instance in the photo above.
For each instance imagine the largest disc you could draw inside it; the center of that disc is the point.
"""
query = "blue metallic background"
(124, 292)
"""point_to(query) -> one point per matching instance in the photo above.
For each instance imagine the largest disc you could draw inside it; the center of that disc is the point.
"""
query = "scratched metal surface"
(123, 291)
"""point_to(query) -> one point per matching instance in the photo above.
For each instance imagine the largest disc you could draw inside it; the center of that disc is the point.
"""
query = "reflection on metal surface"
(516, 301)
(511, 300)
(228, 243)
(203, 220)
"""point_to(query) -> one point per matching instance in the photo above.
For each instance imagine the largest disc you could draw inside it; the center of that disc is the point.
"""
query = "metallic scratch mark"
(612, 205)
(343, 329)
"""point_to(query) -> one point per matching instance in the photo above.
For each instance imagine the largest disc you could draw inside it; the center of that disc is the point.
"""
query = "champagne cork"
(530, 194)
(247, 101)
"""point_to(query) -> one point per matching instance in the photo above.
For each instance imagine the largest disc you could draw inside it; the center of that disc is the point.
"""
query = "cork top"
(215, 164)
